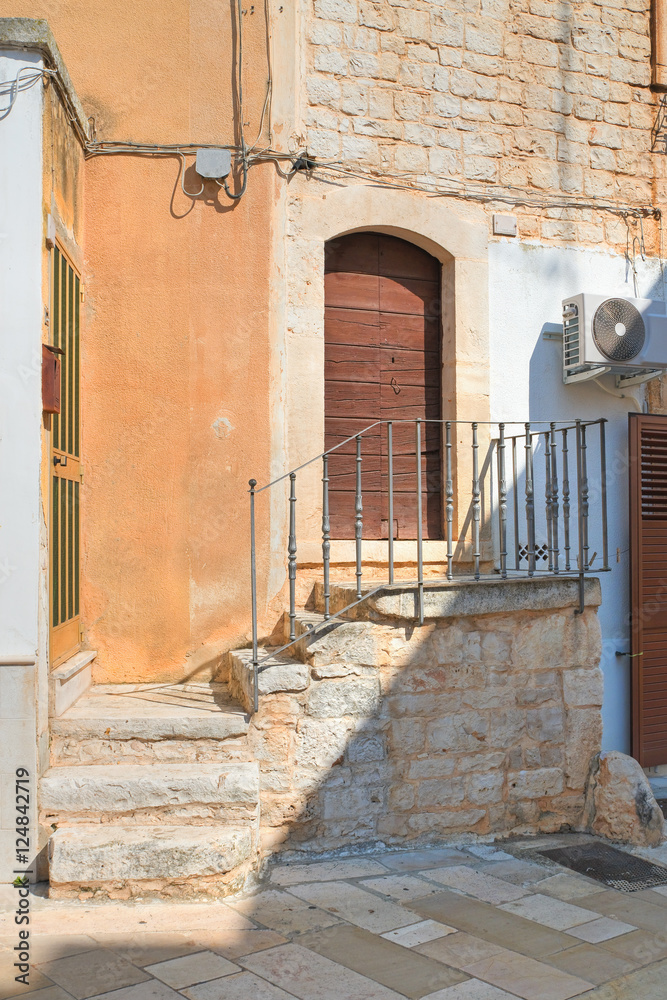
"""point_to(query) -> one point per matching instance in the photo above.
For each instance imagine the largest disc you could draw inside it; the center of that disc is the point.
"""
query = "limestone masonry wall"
(483, 723)
(535, 96)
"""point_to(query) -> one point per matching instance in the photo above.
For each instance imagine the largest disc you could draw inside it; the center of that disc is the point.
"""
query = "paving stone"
(493, 924)
(326, 871)
(38, 993)
(517, 872)
(48, 948)
(646, 984)
(415, 934)
(38, 983)
(472, 989)
(527, 978)
(191, 969)
(639, 947)
(152, 990)
(233, 944)
(309, 976)
(400, 887)
(485, 887)
(93, 972)
(244, 986)
(601, 930)
(622, 906)
(356, 905)
(459, 950)
(398, 968)
(567, 887)
(283, 912)
(550, 912)
(148, 948)
(487, 852)
(415, 860)
(590, 963)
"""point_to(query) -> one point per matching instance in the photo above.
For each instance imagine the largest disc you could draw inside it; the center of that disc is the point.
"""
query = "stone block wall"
(515, 97)
(474, 723)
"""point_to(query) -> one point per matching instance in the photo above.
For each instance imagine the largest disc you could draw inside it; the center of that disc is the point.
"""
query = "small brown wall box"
(51, 378)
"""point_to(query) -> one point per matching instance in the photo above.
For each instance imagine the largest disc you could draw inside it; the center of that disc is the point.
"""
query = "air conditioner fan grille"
(618, 330)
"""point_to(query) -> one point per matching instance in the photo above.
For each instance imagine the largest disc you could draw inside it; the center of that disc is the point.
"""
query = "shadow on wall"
(475, 723)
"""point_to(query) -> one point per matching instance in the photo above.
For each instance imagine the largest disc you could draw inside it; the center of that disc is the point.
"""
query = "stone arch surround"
(457, 235)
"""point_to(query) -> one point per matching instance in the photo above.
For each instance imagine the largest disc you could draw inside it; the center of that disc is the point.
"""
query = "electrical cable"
(269, 84)
(15, 87)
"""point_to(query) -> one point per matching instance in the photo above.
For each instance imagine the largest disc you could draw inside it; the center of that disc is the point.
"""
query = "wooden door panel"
(400, 259)
(382, 361)
(352, 291)
(409, 295)
(648, 586)
(357, 252)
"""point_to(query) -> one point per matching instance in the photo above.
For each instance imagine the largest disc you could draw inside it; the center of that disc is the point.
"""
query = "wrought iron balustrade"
(529, 509)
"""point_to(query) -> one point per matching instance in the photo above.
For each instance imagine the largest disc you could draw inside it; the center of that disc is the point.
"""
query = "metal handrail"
(498, 447)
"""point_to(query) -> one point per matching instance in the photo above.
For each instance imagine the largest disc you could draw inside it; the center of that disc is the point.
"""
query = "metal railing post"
(358, 516)
(502, 501)
(554, 499)
(603, 495)
(291, 557)
(515, 500)
(566, 502)
(449, 495)
(530, 502)
(580, 518)
(548, 501)
(326, 528)
(390, 470)
(253, 588)
(420, 553)
(476, 507)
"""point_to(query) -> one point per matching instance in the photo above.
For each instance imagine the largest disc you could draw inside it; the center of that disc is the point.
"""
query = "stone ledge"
(118, 788)
(87, 857)
(467, 598)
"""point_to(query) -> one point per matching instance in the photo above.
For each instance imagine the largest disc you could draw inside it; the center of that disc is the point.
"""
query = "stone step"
(335, 646)
(121, 861)
(150, 723)
(277, 674)
(140, 794)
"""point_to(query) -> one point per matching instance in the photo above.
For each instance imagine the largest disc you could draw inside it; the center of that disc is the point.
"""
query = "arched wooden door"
(382, 362)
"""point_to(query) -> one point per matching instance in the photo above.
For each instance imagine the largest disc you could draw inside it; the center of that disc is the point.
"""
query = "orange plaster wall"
(175, 366)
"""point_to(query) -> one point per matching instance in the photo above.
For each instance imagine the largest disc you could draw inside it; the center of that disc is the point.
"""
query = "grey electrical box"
(214, 163)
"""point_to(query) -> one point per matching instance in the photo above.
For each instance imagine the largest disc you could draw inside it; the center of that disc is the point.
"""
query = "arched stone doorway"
(382, 332)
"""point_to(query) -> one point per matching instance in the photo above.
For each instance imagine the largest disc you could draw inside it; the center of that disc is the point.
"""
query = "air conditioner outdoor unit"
(624, 337)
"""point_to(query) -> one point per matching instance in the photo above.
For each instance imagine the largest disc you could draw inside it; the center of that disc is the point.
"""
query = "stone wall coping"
(35, 34)
(456, 598)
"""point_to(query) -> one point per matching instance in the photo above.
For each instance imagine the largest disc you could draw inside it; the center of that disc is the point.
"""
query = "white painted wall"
(527, 284)
(20, 435)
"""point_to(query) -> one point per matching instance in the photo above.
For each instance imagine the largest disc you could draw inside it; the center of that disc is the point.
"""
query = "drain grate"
(610, 866)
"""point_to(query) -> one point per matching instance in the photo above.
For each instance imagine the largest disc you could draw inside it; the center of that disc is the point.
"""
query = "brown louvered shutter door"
(648, 569)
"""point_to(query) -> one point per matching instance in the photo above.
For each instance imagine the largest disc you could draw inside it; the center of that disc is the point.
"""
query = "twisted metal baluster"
(566, 501)
(476, 506)
(554, 499)
(390, 459)
(449, 494)
(358, 516)
(584, 495)
(291, 556)
(530, 502)
(515, 497)
(420, 553)
(326, 528)
(502, 501)
(253, 588)
(603, 495)
(548, 501)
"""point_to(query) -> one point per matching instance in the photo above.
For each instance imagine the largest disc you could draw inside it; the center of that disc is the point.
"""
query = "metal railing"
(504, 519)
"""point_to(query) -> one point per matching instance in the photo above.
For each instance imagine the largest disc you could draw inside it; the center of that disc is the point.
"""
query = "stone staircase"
(152, 789)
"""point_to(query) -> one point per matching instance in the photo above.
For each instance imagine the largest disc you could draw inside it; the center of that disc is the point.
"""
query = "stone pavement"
(473, 922)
